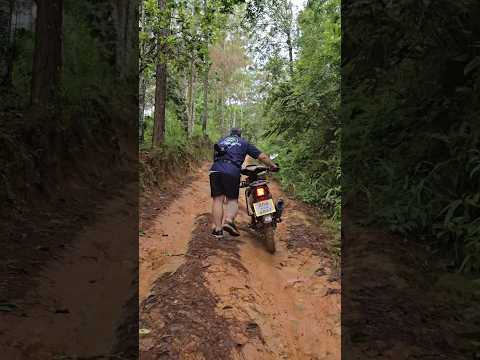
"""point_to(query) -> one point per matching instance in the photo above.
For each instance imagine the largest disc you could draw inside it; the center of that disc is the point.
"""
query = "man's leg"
(217, 211)
(232, 210)
(217, 193)
(231, 188)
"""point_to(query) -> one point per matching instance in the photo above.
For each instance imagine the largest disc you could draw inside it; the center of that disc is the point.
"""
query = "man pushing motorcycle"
(229, 154)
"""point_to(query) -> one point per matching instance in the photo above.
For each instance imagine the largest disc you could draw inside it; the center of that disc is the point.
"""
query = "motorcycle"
(264, 213)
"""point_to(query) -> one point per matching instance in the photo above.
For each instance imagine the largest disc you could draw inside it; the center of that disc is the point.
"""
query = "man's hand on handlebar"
(274, 168)
(264, 158)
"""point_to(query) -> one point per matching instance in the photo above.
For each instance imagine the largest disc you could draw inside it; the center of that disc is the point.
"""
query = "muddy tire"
(269, 237)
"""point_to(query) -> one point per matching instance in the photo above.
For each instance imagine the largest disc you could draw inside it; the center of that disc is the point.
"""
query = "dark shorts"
(224, 184)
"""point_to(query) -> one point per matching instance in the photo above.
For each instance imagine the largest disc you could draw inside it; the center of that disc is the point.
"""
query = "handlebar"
(277, 169)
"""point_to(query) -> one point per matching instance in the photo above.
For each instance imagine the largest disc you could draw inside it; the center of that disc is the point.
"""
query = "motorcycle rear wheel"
(269, 237)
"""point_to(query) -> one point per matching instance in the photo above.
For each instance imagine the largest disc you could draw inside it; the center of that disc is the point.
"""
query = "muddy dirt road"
(78, 303)
(202, 298)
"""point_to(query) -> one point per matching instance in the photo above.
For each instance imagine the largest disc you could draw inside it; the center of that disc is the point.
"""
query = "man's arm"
(264, 158)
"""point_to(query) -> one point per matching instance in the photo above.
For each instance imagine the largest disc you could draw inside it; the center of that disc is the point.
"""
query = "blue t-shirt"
(238, 149)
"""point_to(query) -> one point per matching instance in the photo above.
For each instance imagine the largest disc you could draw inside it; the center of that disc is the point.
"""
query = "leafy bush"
(175, 157)
(304, 126)
(411, 139)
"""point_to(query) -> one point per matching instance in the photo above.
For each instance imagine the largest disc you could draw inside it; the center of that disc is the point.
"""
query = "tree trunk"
(160, 87)
(222, 110)
(240, 119)
(184, 91)
(120, 17)
(141, 83)
(290, 51)
(191, 124)
(289, 37)
(205, 101)
(191, 99)
(192, 104)
(141, 107)
(222, 92)
(205, 80)
(6, 41)
(47, 59)
(160, 105)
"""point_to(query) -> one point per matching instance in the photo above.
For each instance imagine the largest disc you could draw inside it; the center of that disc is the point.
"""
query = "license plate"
(264, 207)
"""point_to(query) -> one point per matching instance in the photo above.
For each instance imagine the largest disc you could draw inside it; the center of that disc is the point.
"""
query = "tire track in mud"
(180, 312)
(230, 299)
(164, 239)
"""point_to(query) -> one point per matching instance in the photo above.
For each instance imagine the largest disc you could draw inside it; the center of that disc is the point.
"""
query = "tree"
(303, 109)
(206, 70)
(161, 79)
(142, 84)
(272, 32)
(228, 58)
(6, 44)
(47, 61)
(126, 31)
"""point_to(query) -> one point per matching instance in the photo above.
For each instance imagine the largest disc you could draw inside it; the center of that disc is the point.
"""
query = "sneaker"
(217, 233)
(231, 228)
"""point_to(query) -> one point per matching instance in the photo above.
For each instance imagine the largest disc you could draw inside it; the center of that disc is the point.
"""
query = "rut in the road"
(231, 299)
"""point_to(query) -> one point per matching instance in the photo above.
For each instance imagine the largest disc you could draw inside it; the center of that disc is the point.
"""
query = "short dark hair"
(236, 131)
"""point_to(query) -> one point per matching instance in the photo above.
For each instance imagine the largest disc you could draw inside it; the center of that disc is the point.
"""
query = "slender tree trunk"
(142, 83)
(222, 92)
(47, 59)
(289, 37)
(160, 88)
(185, 90)
(191, 125)
(13, 36)
(188, 96)
(240, 118)
(205, 101)
(141, 107)
(191, 99)
(7, 8)
(160, 105)
(131, 42)
(192, 105)
(205, 81)
(222, 109)
(124, 15)
(290, 51)
(242, 103)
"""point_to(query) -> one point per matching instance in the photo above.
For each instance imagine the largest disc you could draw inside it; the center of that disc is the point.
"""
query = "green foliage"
(411, 140)
(304, 127)
(170, 159)
(22, 67)
(87, 65)
(88, 57)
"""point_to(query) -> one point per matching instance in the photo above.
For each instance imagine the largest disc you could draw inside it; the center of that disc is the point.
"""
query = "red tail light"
(260, 191)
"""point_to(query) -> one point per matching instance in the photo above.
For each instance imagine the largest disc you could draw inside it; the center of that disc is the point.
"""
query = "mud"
(401, 303)
(230, 298)
(79, 301)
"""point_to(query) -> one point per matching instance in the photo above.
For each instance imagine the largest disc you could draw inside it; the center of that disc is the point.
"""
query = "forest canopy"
(270, 67)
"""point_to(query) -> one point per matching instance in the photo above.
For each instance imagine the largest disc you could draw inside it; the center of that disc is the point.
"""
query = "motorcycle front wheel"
(269, 238)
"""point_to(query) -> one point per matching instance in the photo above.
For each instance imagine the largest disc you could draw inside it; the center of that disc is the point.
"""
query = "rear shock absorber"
(279, 207)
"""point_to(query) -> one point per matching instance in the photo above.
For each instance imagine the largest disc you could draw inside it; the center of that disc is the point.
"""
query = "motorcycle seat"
(252, 170)
(258, 183)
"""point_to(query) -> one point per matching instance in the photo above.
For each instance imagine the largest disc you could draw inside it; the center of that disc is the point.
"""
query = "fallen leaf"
(144, 331)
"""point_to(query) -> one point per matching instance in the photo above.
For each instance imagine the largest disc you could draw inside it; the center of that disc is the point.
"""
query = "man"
(230, 153)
